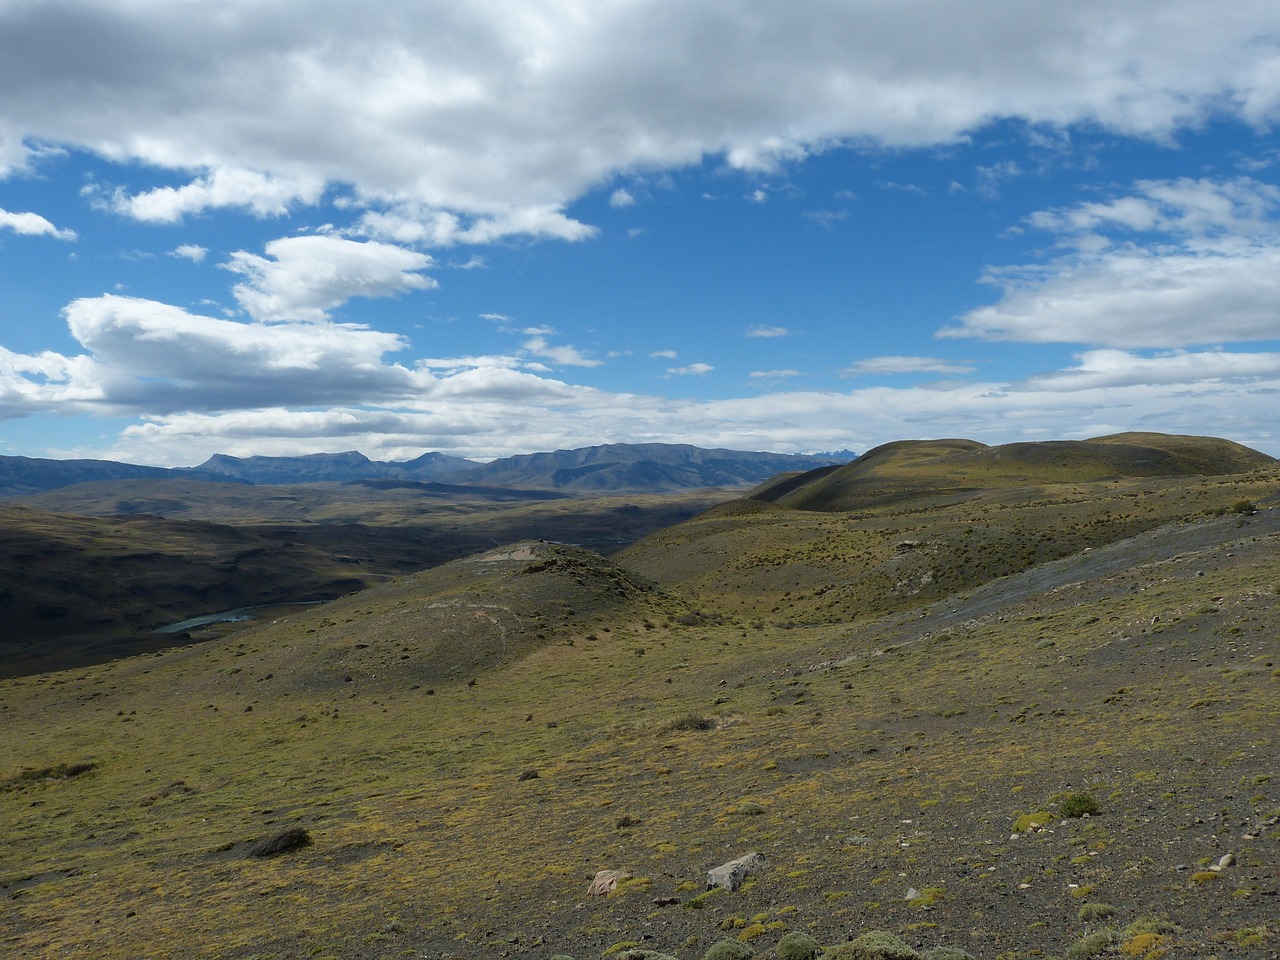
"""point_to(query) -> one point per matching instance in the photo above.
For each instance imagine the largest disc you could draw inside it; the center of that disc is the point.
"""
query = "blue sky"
(488, 228)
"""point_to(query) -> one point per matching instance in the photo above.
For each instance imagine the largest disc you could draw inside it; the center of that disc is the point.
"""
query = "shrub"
(873, 945)
(1244, 506)
(1096, 911)
(728, 950)
(294, 838)
(797, 946)
(1079, 804)
(692, 721)
(1092, 945)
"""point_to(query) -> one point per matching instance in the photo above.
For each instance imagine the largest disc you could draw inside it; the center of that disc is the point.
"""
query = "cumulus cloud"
(32, 225)
(145, 356)
(565, 356)
(1171, 264)
(887, 365)
(270, 102)
(620, 199)
(263, 195)
(303, 278)
(190, 251)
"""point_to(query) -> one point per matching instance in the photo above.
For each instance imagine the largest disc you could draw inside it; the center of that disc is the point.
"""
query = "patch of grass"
(1076, 805)
(1091, 912)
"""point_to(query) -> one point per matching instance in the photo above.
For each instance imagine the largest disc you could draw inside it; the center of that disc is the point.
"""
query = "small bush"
(1029, 820)
(1096, 911)
(1079, 804)
(797, 946)
(1244, 507)
(692, 721)
(728, 950)
(294, 838)
(1092, 945)
(874, 945)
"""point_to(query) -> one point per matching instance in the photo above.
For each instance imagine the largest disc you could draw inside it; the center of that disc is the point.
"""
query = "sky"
(491, 227)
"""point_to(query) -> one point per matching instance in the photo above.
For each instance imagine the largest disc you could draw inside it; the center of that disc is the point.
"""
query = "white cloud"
(150, 357)
(564, 356)
(692, 370)
(620, 199)
(200, 385)
(303, 278)
(1207, 271)
(190, 251)
(264, 195)
(663, 355)
(32, 225)
(1102, 369)
(877, 366)
(504, 114)
(773, 374)
(766, 332)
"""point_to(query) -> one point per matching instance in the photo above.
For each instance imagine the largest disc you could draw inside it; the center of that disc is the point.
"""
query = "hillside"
(1058, 743)
(908, 469)
(94, 573)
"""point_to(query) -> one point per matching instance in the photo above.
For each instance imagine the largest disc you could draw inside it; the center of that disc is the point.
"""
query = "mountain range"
(615, 467)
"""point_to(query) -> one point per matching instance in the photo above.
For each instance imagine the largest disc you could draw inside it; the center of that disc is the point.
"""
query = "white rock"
(730, 875)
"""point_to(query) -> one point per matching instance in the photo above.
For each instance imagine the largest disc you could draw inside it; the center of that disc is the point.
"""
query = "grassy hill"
(1065, 749)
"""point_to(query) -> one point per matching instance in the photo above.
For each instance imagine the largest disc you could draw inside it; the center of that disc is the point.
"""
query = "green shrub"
(1079, 804)
(797, 946)
(728, 950)
(1093, 945)
(1096, 911)
(873, 945)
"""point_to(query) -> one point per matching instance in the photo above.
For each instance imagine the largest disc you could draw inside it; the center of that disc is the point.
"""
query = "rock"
(605, 882)
(729, 876)
(911, 894)
(1227, 860)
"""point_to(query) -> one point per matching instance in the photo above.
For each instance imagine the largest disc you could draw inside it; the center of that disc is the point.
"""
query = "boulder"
(605, 882)
(730, 875)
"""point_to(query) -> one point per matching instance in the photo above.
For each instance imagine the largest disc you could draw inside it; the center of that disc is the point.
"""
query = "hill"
(1043, 726)
(909, 469)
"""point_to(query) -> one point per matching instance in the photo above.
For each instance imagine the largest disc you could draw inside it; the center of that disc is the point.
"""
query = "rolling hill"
(990, 719)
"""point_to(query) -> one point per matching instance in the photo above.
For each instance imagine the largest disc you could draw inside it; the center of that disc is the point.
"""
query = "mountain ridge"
(617, 467)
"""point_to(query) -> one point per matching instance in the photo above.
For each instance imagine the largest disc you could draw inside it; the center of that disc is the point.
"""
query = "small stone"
(912, 894)
(1227, 860)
